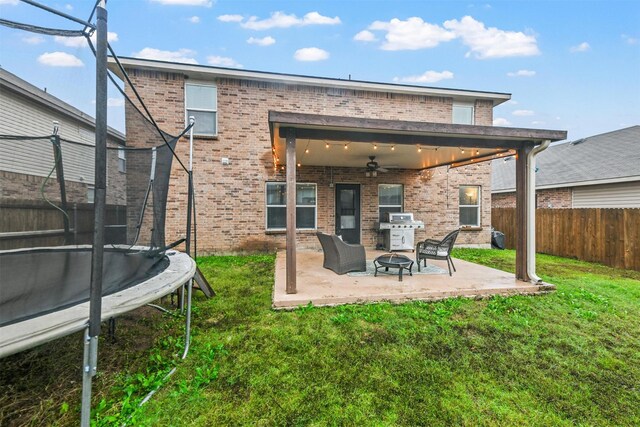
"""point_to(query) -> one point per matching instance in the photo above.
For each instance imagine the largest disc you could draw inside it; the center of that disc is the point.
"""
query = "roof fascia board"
(315, 121)
(203, 72)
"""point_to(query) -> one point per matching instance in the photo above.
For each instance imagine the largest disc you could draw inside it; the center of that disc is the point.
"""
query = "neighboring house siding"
(553, 198)
(622, 195)
(24, 164)
(231, 199)
(20, 116)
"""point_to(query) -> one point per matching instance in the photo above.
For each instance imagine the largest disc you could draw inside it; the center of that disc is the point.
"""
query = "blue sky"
(570, 65)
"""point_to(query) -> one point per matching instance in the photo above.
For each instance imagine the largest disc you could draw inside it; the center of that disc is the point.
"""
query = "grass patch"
(571, 357)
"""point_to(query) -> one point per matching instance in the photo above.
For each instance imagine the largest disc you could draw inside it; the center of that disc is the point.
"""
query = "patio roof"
(395, 143)
(308, 138)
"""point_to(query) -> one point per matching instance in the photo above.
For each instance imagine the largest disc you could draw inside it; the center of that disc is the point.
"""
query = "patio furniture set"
(342, 257)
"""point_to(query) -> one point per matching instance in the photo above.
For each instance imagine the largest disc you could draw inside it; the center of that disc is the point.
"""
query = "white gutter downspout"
(531, 211)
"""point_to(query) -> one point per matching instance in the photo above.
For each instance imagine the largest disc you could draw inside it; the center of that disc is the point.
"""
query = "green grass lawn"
(571, 357)
(568, 358)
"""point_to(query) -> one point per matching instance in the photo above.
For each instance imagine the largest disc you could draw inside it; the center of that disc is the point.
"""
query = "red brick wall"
(231, 199)
(553, 198)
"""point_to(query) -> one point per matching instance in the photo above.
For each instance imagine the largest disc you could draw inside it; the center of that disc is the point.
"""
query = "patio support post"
(522, 209)
(291, 210)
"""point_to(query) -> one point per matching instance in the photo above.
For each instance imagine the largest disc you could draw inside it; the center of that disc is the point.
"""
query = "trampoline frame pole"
(97, 255)
(192, 121)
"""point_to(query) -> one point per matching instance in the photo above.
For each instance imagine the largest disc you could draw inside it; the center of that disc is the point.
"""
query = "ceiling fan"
(373, 166)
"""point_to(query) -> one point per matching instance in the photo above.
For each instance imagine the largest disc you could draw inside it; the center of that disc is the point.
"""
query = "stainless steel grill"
(399, 231)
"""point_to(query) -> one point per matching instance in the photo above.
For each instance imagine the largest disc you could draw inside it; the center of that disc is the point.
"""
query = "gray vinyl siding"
(21, 116)
(622, 195)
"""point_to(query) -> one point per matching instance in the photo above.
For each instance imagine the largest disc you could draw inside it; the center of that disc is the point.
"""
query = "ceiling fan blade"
(382, 170)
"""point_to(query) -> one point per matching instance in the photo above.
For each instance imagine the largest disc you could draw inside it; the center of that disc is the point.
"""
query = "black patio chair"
(342, 257)
(437, 249)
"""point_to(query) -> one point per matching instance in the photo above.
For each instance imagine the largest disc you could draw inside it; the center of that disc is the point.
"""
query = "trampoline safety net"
(47, 218)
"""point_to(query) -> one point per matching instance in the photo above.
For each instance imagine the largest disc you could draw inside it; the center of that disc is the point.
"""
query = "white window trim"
(206, 110)
(91, 189)
(478, 206)
(401, 205)
(266, 211)
(467, 105)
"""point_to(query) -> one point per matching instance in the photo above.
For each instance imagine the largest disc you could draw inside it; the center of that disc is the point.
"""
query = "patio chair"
(437, 249)
(342, 257)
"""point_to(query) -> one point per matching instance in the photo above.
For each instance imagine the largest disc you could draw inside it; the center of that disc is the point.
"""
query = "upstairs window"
(469, 205)
(122, 160)
(277, 206)
(390, 199)
(462, 114)
(201, 102)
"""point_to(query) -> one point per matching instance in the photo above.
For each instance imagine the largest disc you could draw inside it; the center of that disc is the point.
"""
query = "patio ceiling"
(348, 142)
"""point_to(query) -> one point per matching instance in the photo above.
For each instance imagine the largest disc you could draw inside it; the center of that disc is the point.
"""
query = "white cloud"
(582, 47)
(59, 59)
(314, 18)
(194, 19)
(512, 101)
(265, 41)
(411, 34)
(181, 55)
(33, 39)
(487, 43)
(522, 113)
(311, 54)
(76, 42)
(427, 77)
(630, 40)
(230, 18)
(500, 121)
(9, 2)
(68, 6)
(283, 20)
(205, 3)
(522, 73)
(113, 102)
(538, 123)
(223, 61)
(365, 36)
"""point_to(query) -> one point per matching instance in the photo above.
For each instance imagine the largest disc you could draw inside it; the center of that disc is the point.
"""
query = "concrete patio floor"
(321, 286)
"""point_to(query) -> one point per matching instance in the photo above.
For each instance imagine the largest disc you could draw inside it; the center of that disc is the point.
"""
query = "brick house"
(601, 171)
(257, 131)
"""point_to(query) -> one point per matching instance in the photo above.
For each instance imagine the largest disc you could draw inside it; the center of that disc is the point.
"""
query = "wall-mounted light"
(306, 151)
(346, 146)
(375, 146)
(419, 149)
(326, 145)
(393, 147)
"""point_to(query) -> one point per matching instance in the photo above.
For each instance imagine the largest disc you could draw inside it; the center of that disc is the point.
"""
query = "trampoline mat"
(39, 281)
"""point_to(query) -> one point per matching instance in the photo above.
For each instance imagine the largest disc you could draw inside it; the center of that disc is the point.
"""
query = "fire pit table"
(387, 261)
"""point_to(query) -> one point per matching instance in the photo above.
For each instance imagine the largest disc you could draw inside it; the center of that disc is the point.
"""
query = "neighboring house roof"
(14, 83)
(205, 72)
(601, 159)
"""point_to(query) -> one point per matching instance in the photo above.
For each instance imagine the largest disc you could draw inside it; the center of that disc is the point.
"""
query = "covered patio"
(320, 286)
(300, 139)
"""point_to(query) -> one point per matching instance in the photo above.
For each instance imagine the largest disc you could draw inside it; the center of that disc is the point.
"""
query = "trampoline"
(90, 244)
(39, 304)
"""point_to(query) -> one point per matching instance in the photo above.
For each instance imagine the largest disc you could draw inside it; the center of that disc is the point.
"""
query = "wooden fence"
(607, 236)
(35, 223)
